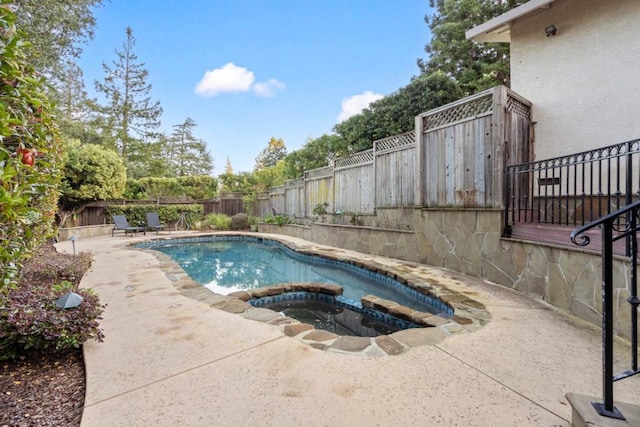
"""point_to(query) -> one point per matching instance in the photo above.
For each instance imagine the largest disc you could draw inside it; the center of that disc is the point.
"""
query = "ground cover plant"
(45, 387)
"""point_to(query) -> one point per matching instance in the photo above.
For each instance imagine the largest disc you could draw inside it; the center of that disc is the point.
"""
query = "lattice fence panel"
(294, 182)
(361, 158)
(516, 107)
(395, 142)
(277, 190)
(459, 112)
(319, 173)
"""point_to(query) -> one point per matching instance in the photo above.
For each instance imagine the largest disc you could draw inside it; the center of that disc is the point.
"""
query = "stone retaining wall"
(84, 231)
(469, 241)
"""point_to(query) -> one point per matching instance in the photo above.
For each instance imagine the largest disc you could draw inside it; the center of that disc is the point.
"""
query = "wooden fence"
(395, 168)
(318, 184)
(228, 204)
(354, 184)
(455, 158)
(465, 145)
(94, 213)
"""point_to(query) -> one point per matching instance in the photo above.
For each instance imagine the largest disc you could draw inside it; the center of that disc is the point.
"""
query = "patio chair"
(153, 222)
(121, 224)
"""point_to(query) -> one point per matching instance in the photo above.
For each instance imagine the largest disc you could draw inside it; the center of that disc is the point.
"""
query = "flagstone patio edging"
(469, 314)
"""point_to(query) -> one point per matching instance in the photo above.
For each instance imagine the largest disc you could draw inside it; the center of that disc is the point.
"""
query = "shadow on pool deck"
(170, 359)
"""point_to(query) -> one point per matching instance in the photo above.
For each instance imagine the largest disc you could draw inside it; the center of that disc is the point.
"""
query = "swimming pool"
(226, 264)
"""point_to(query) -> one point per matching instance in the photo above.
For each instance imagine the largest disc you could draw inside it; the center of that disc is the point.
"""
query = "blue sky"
(249, 70)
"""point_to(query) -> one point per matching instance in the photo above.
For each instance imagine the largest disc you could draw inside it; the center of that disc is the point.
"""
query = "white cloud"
(356, 103)
(228, 79)
(231, 78)
(268, 89)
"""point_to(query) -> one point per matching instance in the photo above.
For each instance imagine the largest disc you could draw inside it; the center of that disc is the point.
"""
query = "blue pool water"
(227, 264)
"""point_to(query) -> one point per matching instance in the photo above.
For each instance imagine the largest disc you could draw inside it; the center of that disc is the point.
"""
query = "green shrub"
(134, 190)
(217, 221)
(30, 320)
(320, 208)
(199, 187)
(169, 214)
(91, 173)
(194, 187)
(240, 221)
(30, 155)
(278, 219)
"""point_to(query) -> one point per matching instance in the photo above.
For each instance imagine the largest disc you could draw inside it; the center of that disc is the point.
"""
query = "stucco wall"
(468, 241)
(583, 82)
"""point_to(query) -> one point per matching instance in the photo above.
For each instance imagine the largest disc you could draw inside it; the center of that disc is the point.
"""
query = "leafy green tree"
(266, 178)
(148, 157)
(55, 29)
(91, 173)
(187, 154)
(199, 187)
(272, 154)
(130, 115)
(152, 159)
(475, 66)
(75, 112)
(315, 153)
(30, 154)
(71, 95)
(395, 113)
(158, 188)
(194, 187)
(243, 182)
(228, 168)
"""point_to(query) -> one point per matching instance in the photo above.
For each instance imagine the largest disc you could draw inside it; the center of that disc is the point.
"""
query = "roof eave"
(498, 29)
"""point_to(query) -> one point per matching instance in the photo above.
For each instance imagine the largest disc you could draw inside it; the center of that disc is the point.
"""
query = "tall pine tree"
(130, 115)
(474, 66)
(187, 154)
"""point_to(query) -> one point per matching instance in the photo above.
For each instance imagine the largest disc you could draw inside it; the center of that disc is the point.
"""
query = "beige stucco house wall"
(583, 81)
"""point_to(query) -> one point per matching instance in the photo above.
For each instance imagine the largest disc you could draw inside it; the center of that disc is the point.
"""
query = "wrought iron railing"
(621, 224)
(572, 190)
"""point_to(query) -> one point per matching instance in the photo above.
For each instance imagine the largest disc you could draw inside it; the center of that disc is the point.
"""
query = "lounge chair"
(153, 222)
(121, 224)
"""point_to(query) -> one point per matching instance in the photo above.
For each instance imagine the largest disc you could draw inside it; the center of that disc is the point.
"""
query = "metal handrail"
(621, 224)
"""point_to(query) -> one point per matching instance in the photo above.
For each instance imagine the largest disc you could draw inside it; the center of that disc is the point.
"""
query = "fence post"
(629, 192)
(607, 408)
(375, 178)
(499, 144)
(418, 183)
(507, 176)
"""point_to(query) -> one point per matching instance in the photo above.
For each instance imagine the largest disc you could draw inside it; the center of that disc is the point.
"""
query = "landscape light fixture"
(550, 30)
(69, 300)
(73, 239)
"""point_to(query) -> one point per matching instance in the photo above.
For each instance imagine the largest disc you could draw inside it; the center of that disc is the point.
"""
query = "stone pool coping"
(469, 314)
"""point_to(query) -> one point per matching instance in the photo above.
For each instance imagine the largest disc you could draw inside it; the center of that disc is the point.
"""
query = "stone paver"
(351, 343)
(422, 336)
(320, 335)
(296, 329)
(390, 345)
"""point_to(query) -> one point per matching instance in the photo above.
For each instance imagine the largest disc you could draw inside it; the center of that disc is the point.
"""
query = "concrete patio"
(169, 360)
